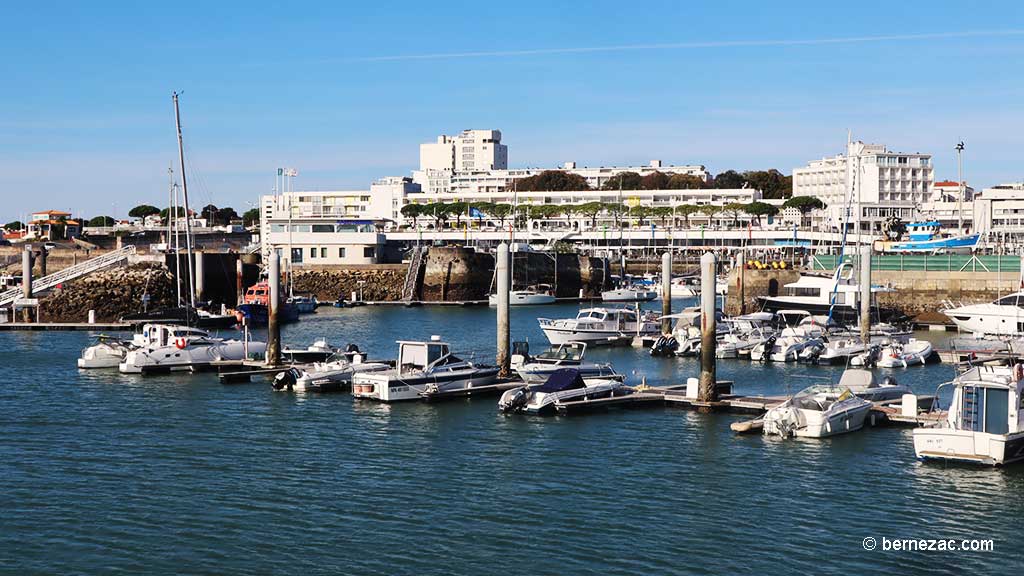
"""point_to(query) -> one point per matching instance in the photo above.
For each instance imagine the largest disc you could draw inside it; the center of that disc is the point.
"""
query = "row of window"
(321, 252)
(322, 228)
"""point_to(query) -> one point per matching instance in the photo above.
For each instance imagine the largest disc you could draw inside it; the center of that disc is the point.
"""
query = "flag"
(475, 213)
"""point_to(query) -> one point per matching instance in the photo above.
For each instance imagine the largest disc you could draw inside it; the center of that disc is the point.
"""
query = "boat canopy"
(563, 379)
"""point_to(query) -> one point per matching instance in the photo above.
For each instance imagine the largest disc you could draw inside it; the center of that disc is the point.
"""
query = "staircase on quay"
(77, 271)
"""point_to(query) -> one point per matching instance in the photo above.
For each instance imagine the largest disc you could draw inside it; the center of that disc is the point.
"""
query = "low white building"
(881, 182)
(998, 213)
(323, 228)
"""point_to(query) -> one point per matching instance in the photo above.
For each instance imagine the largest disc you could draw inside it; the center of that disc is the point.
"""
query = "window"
(369, 251)
(323, 227)
(296, 255)
(323, 252)
(341, 252)
(312, 252)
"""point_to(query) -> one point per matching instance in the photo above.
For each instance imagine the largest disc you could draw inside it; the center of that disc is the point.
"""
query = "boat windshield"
(1012, 300)
(571, 352)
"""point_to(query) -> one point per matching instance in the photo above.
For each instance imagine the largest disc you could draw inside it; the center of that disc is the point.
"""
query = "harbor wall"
(379, 282)
(111, 293)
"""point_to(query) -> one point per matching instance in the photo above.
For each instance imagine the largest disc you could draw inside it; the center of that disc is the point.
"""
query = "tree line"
(442, 212)
(772, 183)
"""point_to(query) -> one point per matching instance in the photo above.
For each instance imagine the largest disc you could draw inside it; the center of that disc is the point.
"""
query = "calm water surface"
(107, 473)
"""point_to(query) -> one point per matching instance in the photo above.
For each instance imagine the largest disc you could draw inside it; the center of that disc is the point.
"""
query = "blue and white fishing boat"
(927, 237)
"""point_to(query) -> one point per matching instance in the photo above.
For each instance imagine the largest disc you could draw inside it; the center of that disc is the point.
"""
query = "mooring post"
(666, 292)
(239, 288)
(865, 294)
(26, 280)
(741, 280)
(502, 288)
(43, 253)
(706, 390)
(273, 303)
(200, 285)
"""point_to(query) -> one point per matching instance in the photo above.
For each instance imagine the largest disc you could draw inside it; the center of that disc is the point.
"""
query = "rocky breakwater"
(378, 283)
(111, 293)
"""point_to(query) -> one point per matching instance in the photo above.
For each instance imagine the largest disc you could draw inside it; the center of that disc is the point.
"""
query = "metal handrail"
(70, 273)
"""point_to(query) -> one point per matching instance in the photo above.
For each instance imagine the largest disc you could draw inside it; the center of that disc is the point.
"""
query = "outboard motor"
(766, 356)
(812, 353)
(286, 379)
(871, 356)
(352, 349)
(664, 346)
(889, 381)
(517, 402)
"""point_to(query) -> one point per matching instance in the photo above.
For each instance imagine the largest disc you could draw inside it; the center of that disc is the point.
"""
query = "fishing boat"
(332, 375)
(168, 347)
(537, 369)
(985, 421)
(817, 412)
(563, 385)
(927, 237)
(600, 325)
(422, 368)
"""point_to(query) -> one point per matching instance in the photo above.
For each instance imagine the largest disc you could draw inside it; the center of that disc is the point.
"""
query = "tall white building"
(881, 182)
(471, 150)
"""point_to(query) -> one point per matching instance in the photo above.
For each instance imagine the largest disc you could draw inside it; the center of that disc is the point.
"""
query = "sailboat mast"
(172, 231)
(184, 195)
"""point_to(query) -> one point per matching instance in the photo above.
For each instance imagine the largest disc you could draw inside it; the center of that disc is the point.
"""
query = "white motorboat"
(531, 296)
(318, 351)
(563, 385)
(537, 369)
(106, 353)
(818, 412)
(787, 345)
(743, 334)
(332, 375)
(629, 294)
(597, 326)
(1002, 317)
(863, 383)
(422, 368)
(985, 421)
(895, 354)
(166, 348)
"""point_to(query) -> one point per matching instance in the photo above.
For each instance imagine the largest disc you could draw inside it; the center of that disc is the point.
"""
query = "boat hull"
(968, 446)
(391, 387)
(627, 295)
(523, 299)
(958, 244)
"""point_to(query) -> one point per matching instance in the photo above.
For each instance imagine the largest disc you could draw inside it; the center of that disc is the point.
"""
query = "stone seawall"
(379, 283)
(756, 283)
(111, 293)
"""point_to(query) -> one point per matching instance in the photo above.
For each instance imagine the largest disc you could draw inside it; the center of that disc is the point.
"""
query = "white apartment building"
(883, 183)
(323, 228)
(998, 213)
(470, 151)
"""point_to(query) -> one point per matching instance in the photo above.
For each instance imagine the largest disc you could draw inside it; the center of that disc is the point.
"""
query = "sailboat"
(529, 296)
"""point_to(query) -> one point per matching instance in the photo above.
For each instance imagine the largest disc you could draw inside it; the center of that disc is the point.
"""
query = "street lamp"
(960, 187)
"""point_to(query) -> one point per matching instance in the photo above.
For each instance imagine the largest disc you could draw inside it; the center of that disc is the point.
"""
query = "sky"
(345, 92)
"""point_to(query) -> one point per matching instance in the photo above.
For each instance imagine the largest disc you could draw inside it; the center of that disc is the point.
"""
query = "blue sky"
(86, 121)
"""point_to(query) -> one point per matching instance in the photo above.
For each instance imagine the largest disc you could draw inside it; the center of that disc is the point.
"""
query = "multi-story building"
(946, 208)
(321, 228)
(882, 183)
(53, 225)
(998, 213)
(470, 151)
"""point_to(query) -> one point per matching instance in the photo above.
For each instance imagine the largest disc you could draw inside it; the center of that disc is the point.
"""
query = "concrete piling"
(708, 329)
(502, 288)
(865, 294)
(200, 287)
(26, 281)
(273, 303)
(666, 292)
(741, 266)
(239, 282)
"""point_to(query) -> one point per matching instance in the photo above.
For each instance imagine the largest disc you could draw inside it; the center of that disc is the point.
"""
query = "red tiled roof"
(53, 213)
(948, 183)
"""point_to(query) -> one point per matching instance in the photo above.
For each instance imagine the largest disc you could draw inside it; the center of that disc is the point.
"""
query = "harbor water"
(108, 473)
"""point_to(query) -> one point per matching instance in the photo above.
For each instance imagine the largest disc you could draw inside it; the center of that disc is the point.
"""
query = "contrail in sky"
(687, 45)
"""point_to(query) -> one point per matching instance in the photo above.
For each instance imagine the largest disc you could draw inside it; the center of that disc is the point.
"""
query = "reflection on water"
(106, 472)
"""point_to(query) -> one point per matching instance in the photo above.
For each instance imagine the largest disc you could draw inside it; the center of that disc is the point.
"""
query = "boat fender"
(1018, 371)
(180, 343)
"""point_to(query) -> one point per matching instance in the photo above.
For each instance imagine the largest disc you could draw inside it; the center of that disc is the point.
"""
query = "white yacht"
(1002, 317)
(600, 325)
(819, 294)
(166, 348)
(818, 412)
(532, 296)
(895, 354)
(108, 352)
(332, 375)
(985, 422)
(563, 385)
(629, 294)
(537, 369)
(422, 368)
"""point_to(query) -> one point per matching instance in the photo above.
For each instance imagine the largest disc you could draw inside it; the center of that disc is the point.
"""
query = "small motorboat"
(422, 369)
(108, 352)
(601, 325)
(537, 369)
(817, 412)
(333, 375)
(563, 385)
(983, 424)
(318, 351)
(304, 304)
(894, 354)
(863, 383)
(166, 348)
(532, 296)
(629, 294)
